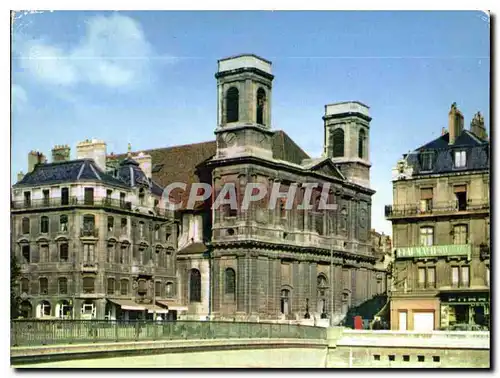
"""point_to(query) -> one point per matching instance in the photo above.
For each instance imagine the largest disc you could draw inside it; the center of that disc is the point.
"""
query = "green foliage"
(15, 275)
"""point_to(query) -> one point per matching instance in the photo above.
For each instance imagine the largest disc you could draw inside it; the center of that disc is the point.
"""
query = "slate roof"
(67, 171)
(130, 173)
(180, 163)
(477, 154)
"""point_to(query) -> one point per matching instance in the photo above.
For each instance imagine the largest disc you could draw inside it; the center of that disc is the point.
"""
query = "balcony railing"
(80, 201)
(435, 251)
(89, 232)
(435, 208)
(87, 266)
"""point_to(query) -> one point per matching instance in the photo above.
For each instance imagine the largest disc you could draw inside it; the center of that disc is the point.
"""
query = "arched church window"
(338, 142)
(361, 143)
(285, 301)
(232, 105)
(261, 101)
(230, 284)
(194, 285)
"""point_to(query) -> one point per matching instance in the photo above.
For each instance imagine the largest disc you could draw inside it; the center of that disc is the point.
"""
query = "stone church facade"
(263, 263)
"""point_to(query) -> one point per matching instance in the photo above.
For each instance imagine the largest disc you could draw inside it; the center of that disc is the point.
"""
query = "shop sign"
(467, 298)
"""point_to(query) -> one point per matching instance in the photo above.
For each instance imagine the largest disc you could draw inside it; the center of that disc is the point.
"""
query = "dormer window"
(427, 160)
(460, 159)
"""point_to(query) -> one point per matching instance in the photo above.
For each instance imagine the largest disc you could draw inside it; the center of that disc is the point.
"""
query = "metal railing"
(434, 208)
(81, 201)
(53, 332)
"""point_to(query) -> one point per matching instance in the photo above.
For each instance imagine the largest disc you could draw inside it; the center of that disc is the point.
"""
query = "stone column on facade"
(216, 285)
(313, 286)
(261, 280)
(296, 303)
(241, 283)
(252, 277)
(274, 287)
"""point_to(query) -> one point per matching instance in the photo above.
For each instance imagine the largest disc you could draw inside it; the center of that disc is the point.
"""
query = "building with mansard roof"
(441, 231)
(92, 244)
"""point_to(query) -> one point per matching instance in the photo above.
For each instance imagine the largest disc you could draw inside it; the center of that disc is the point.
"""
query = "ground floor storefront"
(448, 310)
(464, 311)
(415, 314)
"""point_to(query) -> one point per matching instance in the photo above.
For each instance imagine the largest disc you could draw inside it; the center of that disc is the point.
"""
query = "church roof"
(180, 163)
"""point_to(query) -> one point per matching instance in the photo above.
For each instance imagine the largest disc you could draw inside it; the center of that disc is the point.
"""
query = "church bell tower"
(347, 132)
(244, 87)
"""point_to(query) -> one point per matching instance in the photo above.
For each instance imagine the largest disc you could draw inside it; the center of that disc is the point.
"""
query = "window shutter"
(426, 193)
(460, 188)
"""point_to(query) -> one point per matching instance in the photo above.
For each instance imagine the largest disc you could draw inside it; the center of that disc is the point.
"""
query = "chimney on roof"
(145, 163)
(92, 149)
(35, 158)
(477, 126)
(60, 153)
(20, 176)
(455, 123)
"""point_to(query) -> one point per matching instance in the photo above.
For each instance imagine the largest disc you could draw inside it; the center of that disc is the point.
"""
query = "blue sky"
(148, 77)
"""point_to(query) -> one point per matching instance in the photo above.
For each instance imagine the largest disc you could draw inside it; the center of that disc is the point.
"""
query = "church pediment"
(327, 168)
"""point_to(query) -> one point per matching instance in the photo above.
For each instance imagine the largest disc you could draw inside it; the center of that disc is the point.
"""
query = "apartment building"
(92, 244)
(441, 231)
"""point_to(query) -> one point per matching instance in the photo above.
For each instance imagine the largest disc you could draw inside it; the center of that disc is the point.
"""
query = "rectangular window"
(88, 285)
(26, 253)
(427, 161)
(111, 224)
(122, 200)
(460, 234)
(89, 196)
(426, 195)
(124, 225)
(460, 159)
(421, 277)
(431, 277)
(64, 196)
(464, 276)
(461, 196)
(46, 197)
(454, 276)
(63, 223)
(158, 289)
(27, 199)
(88, 252)
(44, 225)
(108, 196)
(44, 253)
(111, 286)
(426, 236)
(63, 252)
(124, 287)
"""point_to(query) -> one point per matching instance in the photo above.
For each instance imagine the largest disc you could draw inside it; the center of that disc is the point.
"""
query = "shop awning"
(152, 309)
(127, 304)
(173, 306)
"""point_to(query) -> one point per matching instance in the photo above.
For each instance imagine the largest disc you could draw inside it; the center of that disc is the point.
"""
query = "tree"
(15, 274)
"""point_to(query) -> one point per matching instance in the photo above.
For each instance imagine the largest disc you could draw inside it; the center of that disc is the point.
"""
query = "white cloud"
(19, 96)
(114, 52)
